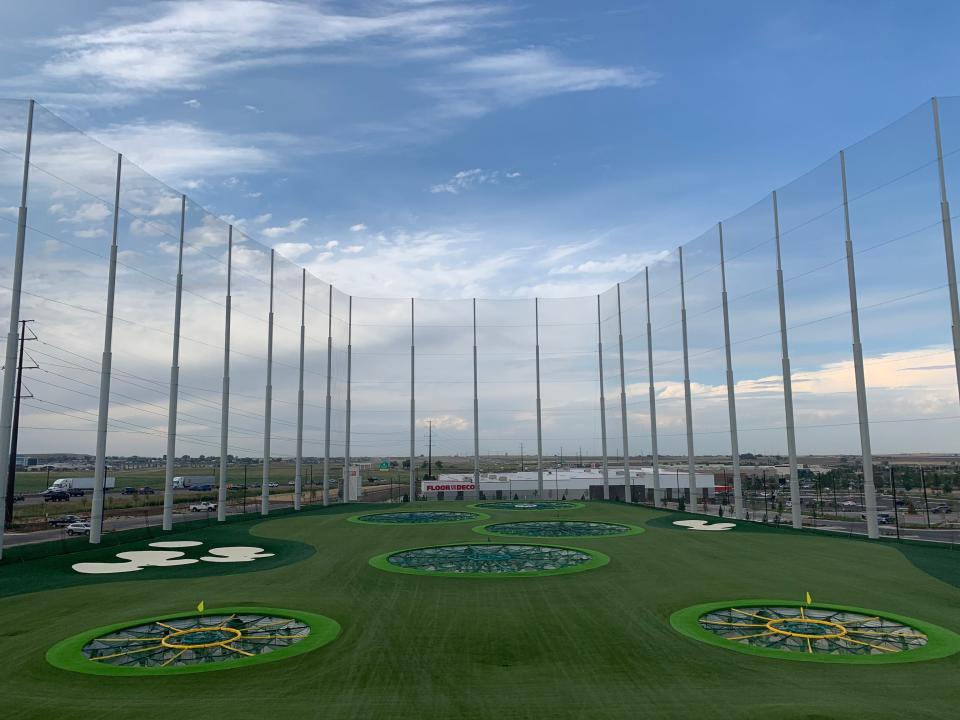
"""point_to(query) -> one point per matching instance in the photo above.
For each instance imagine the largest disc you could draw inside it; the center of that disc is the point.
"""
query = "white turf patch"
(704, 525)
(134, 560)
(235, 554)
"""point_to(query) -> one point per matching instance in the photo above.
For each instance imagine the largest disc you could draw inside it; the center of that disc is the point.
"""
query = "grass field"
(592, 644)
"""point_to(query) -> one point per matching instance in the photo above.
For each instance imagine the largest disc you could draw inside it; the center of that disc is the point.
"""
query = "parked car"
(940, 508)
(147, 490)
(55, 495)
(129, 491)
(882, 518)
(203, 507)
(273, 484)
(63, 520)
(78, 528)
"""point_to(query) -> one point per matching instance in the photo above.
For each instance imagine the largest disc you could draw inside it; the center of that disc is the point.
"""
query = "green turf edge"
(597, 559)
(941, 642)
(485, 504)
(67, 654)
(359, 518)
(631, 529)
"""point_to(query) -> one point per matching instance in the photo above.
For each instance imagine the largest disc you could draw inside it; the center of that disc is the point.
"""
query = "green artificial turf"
(595, 644)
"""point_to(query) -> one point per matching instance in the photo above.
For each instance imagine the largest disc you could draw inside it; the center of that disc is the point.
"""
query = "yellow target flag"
(809, 599)
(200, 606)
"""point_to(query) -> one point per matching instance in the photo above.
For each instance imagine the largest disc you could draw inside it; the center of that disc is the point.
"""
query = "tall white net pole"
(106, 364)
(731, 392)
(476, 408)
(345, 484)
(225, 388)
(687, 403)
(795, 502)
(603, 408)
(536, 325)
(298, 472)
(329, 402)
(627, 490)
(13, 334)
(413, 413)
(174, 381)
(869, 490)
(268, 405)
(654, 451)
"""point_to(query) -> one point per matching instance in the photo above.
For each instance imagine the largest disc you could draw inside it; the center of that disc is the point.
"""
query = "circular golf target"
(829, 633)
(194, 642)
(418, 517)
(559, 528)
(490, 560)
(523, 505)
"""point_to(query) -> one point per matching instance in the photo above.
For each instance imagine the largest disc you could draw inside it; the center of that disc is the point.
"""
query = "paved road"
(130, 521)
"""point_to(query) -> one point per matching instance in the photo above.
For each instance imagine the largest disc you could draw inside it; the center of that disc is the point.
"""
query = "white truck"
(188, 481)
(78, 486)
(203, 507)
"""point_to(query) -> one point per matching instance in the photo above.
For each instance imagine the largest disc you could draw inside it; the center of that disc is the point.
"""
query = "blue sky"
(501, 150)
(539, 148)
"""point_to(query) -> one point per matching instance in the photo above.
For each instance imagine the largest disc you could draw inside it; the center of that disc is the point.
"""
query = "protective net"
(557, 528)
(812, 630)
(550, 505)
(196, 640)
(403, 518)
(487, 558)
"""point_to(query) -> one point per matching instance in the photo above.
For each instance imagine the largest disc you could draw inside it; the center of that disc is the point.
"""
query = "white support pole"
(603, 408)
(268, 406)
(948, 244)
(536, 324)
(13, 334)
(795, 502)
(174, 381)
(298, 474)
(329, 402)
(225, 388)
(731, 393)
(654, 451)
(345, 484)
(627, 485)
(413, 413)
(869, 490)
(106, 364)
(476, 408)
(687, 404)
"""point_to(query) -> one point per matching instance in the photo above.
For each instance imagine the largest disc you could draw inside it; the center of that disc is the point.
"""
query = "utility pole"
(926, 505)
(430, 450)
(12, 471)
(521, 457)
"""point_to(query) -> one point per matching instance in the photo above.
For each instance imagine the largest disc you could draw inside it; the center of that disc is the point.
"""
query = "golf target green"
(194, 642)
(559, 528)
(815, 632)
(490, 560)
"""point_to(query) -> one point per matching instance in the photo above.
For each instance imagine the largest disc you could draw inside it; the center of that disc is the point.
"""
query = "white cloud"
(293, 251)
(359, 227)
(252, 108)
(192, 103)
(478, 84)
(264, 218)
(176, 151)
(466, 179)
(331, 244)
(87, 212)
(177, 44)
(353, 249)
(623, 265)
(283, 230)
(91, 233)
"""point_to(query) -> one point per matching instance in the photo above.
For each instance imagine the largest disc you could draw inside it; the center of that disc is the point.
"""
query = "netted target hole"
(489, 559)
(812, 630)
(558, 528)
(521, 505)
(418, 517)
